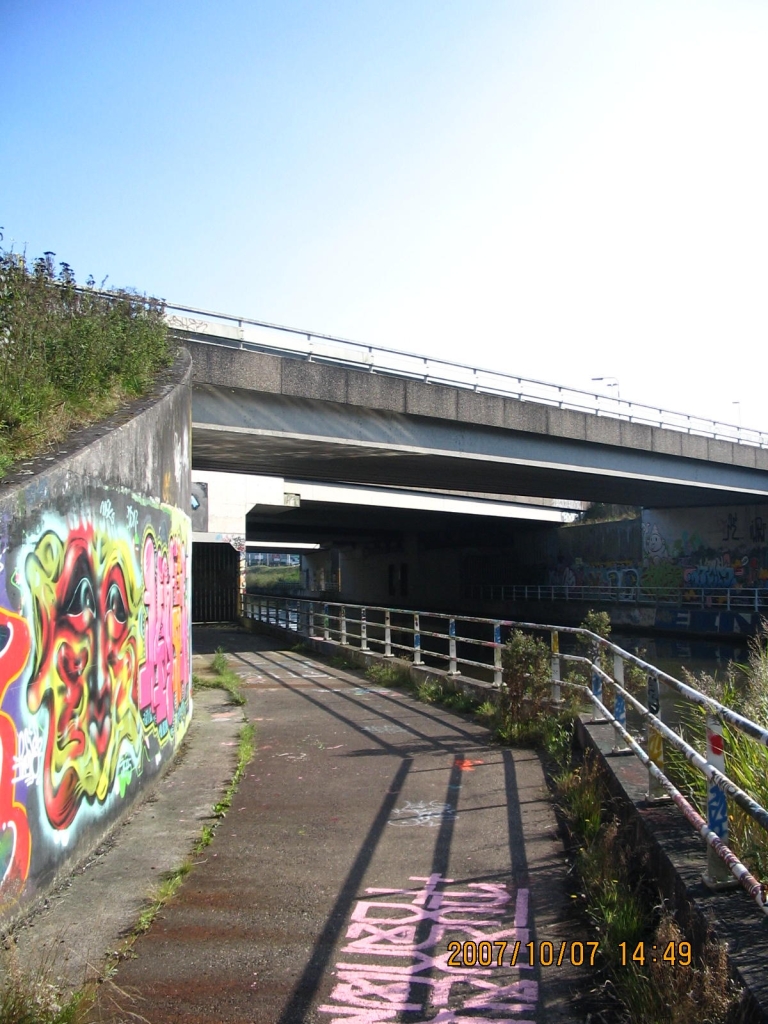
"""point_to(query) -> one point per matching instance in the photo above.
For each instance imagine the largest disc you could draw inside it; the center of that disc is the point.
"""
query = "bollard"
(326, 623)
(453, 669)
(387, 634)
(655, 741)
(416, 640)
(717, 873)
(343, 624)
(555, 647)
(498, 674)
(619, 706)
(597, 683)
(363, 631)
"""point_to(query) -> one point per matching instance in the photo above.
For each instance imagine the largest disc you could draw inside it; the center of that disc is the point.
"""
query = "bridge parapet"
(382, 362)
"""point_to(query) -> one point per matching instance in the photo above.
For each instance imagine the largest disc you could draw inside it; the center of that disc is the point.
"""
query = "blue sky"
(561, 189)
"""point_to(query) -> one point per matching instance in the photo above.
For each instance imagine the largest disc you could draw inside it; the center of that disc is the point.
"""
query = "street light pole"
(611, 382)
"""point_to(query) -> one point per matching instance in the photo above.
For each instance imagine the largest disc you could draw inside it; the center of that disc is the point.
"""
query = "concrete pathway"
(379, 861)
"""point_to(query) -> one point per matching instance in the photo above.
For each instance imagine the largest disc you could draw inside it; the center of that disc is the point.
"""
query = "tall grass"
(745, 689)
(68, 355)
(626, 913)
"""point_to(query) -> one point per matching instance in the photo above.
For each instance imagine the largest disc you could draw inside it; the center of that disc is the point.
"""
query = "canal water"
(673, 655)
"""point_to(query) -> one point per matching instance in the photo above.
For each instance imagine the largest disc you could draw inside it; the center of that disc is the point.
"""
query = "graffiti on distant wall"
(94, 668)
(696, 548)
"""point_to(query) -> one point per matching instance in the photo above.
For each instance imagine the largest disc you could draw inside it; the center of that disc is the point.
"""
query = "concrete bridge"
(422, 479)
(337, 411)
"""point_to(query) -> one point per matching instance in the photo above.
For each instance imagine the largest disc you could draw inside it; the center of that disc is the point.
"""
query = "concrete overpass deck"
(259, 412)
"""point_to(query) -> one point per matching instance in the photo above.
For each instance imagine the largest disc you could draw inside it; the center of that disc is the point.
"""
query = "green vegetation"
(602, 512)
(68, 356)
(393, 674)
(245, 750)
(525, 715)
(221, 677)
(628, 917)
(744, 689)
(35, 998)
(262, 577)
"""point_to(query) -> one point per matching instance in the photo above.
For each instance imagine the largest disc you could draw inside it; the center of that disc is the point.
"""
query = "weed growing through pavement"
(389, 675)
(220, 676)
(35, 998)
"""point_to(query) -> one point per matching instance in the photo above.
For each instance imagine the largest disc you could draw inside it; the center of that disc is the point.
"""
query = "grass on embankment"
(262, 577)
(68, 356)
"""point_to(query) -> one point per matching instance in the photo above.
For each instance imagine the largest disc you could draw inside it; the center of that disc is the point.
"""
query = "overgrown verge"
(68, 356)
(745, 689)
(646, 968)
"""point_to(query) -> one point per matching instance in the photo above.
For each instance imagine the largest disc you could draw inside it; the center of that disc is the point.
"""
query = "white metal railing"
(258, 335)
(479, 646)
(722, 598)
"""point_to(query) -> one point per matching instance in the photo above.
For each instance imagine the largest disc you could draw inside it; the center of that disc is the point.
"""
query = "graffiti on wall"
(700, 548)
(94, 669)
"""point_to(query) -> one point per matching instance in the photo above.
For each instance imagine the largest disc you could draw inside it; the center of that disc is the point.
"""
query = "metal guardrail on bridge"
(415, 634)
(261, 336)
(725, 598)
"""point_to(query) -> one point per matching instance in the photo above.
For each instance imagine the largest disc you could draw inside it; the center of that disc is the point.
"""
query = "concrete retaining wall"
(95, 644)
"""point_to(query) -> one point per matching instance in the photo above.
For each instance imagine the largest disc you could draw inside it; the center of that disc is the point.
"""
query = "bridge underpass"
(257, 410)
(366, 445)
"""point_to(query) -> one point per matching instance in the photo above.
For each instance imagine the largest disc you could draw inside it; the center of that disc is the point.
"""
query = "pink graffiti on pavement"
(396, 934)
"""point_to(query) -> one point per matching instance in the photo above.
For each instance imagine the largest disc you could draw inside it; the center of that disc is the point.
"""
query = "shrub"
(68, 355)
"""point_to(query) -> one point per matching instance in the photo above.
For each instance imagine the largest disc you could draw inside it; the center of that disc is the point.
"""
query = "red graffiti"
(13, 659)
(86, 660)
(465, 764)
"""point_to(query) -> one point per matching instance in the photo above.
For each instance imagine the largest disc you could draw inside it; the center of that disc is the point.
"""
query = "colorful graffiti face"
(86, 600)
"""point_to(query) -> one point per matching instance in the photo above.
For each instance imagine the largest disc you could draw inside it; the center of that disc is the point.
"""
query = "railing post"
(717, 806)
(387, 633)
(498, 674)
(416, 639)
(619, 705)
(363, 631)
(326, 623)
(597, 683)
(343, 624)
(453, 667)
(655, 739)
(555, 662)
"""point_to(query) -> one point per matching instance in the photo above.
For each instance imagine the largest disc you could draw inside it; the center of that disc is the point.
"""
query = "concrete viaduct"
(321, 416)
